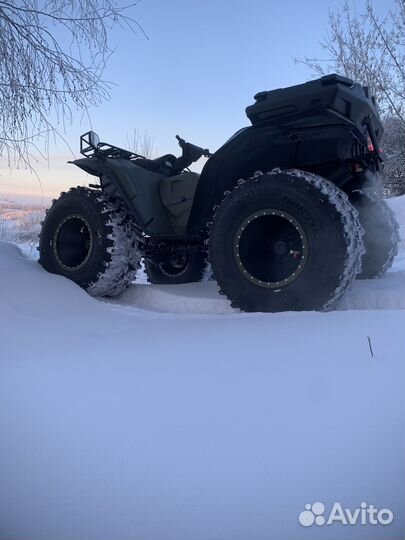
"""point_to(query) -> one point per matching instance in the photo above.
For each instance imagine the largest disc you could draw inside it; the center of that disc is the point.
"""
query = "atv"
(286, 214)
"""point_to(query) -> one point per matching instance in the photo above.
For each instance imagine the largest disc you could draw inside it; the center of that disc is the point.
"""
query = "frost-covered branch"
(52, 57)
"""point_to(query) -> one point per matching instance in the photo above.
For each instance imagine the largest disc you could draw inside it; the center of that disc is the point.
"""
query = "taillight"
(370, 145)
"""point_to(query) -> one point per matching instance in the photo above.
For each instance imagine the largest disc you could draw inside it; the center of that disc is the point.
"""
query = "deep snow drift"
(121, 422)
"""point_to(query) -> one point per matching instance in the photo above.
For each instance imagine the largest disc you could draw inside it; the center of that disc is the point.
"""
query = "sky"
(195, 74)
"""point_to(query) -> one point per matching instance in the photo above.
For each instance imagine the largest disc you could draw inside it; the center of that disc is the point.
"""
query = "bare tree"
(371, 50)
(52, 57)
(394, 148)
(142, 144)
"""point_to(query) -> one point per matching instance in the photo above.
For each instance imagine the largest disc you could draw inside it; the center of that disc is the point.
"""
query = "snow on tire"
(381, 230)
(285, 240)
(90, 239)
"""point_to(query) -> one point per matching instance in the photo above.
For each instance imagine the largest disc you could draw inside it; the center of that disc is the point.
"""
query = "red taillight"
(370, 145)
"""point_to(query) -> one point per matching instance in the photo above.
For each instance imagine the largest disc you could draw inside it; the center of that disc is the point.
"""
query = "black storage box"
(315, 102)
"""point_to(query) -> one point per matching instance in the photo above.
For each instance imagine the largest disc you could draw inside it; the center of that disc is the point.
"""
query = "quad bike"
(286, 214)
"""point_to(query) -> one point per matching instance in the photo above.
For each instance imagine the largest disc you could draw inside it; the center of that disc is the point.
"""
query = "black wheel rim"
(270, 248)
(175, 265)
(73, 242)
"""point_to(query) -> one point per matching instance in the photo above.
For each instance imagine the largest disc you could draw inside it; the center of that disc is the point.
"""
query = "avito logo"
(366, 514)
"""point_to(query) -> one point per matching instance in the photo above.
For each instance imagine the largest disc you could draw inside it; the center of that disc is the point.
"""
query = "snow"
(167, 415)
(198, 298)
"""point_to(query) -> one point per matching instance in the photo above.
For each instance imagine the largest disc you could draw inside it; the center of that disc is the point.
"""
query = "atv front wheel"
(178, 267)
(90, 239)
(381, 236)
(285, 240)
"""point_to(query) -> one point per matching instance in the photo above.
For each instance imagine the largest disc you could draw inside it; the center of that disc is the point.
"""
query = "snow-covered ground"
(166, 415)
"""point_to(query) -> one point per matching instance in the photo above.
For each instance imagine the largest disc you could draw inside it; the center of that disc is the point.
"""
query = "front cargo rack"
(102, 149)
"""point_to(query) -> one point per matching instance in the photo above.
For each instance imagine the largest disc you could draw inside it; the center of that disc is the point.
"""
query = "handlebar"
(182, 142)
(192, 150)
(190, 154)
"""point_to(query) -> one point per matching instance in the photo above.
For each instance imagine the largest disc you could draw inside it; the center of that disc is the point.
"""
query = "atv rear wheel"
(285, 240)
(91, 240)
(381, 236)
(181, 267)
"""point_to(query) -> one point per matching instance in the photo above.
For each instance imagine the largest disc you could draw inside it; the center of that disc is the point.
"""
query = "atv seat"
(161, 165)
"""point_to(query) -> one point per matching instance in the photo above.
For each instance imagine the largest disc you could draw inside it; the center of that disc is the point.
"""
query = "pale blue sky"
(203, 63)
(195, 75)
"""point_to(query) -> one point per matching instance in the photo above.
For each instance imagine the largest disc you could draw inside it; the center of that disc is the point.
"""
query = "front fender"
(89, 165)
(136, 186)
